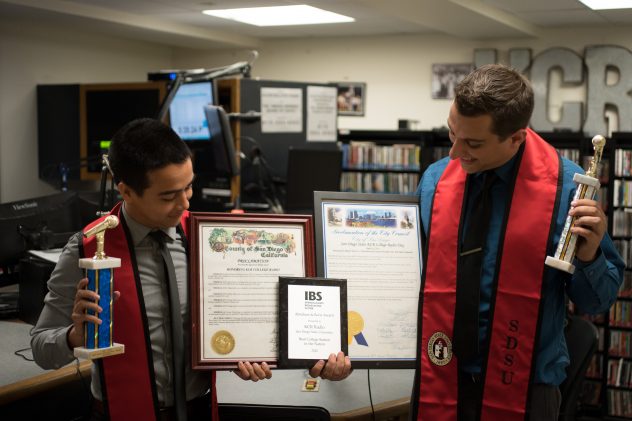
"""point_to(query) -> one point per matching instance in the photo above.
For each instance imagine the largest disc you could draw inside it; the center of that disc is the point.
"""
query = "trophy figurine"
(99, 271)
(588, 185)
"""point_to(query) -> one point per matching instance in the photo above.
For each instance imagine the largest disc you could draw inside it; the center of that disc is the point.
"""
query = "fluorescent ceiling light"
(608, 4)
(280, 15)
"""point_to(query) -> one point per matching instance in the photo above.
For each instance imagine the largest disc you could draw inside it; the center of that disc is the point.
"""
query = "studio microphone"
(105, 169)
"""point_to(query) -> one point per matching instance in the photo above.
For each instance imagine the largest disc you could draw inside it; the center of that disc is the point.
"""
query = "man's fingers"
(259, 373)
(316, 370)
(340, 365)
(328, 371)
(242, 371)
(80, 318)
(266, 370)
(253, 371)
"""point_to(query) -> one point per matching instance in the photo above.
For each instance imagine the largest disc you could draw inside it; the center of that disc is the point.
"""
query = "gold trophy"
(100, 274)
(588, 185)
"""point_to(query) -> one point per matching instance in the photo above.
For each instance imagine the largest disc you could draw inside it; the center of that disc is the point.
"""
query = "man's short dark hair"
(499, 91)
(141, 146)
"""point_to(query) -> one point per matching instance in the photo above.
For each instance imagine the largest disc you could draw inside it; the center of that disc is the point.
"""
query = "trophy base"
(95, 354)
(559, 264)
(95, 264)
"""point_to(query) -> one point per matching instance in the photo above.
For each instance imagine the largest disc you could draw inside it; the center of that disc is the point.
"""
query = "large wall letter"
(572, 72)
(520, 59)
(598, 60)
(484, 56)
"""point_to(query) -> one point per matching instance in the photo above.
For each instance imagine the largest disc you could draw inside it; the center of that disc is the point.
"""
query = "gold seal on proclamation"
(222, 342)
(355, 323)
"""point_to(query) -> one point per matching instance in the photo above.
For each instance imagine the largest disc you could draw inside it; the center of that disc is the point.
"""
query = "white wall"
(397, 69)
(31, 54)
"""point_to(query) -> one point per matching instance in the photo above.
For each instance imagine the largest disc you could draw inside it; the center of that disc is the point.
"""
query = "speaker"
(34, 274)
(58, 131)
(76, 122)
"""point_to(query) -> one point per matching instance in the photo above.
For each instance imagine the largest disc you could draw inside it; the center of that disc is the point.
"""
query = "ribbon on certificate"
(356, 324)
(360, 339)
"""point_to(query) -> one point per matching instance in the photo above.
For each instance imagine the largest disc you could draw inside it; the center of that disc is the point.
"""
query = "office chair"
(581, 338)
(241, 412)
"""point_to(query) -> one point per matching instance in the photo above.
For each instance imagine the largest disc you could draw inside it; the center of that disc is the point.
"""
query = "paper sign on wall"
(281, 110)
(321, 113)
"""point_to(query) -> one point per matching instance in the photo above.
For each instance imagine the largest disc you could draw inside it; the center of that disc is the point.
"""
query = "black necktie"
(468, 284)
(177, 337)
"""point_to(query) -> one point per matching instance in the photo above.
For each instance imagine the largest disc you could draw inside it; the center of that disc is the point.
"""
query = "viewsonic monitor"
(38, 223)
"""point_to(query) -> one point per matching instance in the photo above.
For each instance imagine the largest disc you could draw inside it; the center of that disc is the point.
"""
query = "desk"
(21, 378)
(284, 388)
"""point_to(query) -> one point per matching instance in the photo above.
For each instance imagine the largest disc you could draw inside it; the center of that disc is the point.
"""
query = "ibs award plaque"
(588, 185)
(100, 274)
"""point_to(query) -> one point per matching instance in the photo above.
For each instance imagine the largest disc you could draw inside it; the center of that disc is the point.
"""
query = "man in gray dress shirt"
(154, 175)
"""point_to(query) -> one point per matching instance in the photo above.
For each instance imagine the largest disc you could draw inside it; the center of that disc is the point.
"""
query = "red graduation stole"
(128, 379)
(515, 311)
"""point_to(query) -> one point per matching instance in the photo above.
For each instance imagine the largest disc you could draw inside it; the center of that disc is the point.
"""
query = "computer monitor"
(38, 223)
(186, 111)
(310, 170)
(222, 144)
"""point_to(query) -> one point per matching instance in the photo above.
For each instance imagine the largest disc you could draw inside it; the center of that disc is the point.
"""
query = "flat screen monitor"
(222, 144)
(38, 223)
(186, 111)
(310, 170)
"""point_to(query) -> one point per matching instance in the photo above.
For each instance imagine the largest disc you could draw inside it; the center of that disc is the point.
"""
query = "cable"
(264, 179)
(83, 381)
(20, 351)
(368, 378)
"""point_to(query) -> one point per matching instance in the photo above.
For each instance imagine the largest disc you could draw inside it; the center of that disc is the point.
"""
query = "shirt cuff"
(596, 268)
(62, 342)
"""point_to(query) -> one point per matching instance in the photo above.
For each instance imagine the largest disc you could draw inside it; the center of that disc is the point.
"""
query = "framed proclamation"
(235, 264)
(374, 242)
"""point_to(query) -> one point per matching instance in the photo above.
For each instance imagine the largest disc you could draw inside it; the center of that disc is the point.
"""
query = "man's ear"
(126, 191)
(518, 138)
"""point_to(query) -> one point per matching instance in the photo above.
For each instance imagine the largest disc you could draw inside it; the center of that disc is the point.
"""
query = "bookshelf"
(382, 161)
(599, 384)
(578, 148)
(618, 375)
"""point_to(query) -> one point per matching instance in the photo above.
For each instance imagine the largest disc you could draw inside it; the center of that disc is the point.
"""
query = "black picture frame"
(351, 98)
(284, 360)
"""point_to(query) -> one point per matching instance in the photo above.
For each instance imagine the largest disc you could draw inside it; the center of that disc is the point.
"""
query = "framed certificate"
(374, 242)
(235, 264)
(312, 320)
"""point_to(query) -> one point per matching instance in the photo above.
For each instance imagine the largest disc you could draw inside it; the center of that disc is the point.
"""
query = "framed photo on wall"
(445, 77)
(351, 98)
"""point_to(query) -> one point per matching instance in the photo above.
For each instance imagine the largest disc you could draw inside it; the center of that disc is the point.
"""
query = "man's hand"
(253, 371)
(84, 300)
(590, 225)
(336, 368)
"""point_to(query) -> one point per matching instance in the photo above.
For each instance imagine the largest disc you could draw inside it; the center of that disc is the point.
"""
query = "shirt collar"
(504, 172)
(139, 231)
